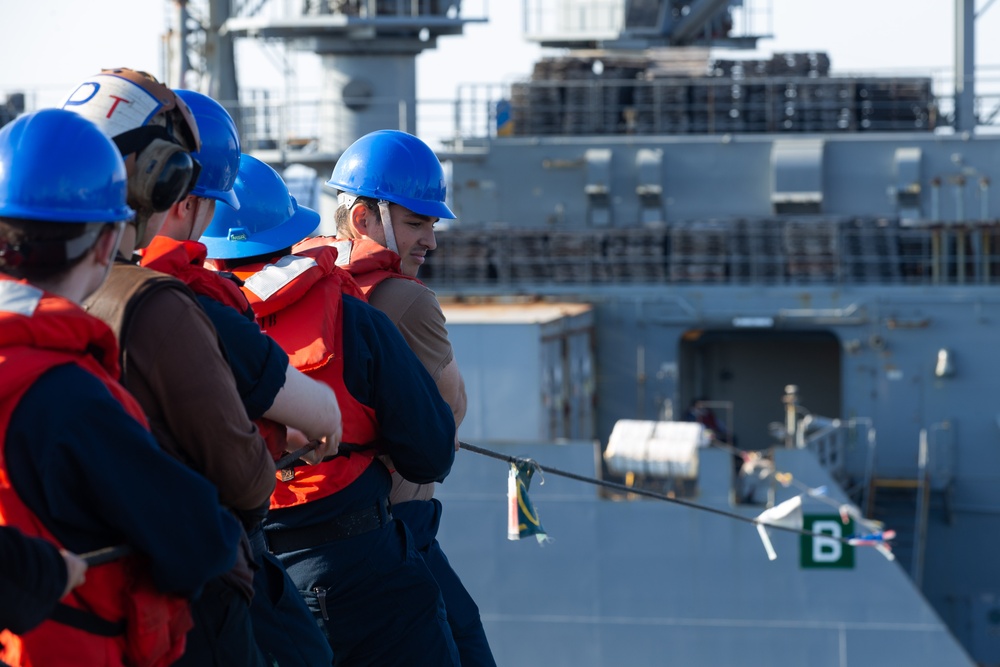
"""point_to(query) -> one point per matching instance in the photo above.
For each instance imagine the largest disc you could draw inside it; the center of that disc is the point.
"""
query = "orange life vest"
(298, 302)
(39, 331)
(185, 260)
(368, 262)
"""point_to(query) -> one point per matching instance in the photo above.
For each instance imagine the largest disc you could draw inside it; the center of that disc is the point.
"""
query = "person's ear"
(359, 219)
(107, 245)
(186, 208)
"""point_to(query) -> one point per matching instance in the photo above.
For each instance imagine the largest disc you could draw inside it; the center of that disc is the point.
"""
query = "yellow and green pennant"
(522, 518)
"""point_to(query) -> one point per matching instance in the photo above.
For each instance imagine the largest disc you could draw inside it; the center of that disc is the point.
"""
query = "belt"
(339, 527)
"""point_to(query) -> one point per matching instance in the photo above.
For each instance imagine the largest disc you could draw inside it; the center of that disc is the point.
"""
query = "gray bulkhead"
(627, 181)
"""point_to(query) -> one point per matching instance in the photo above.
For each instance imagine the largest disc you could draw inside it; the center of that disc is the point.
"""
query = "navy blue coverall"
(374, 595)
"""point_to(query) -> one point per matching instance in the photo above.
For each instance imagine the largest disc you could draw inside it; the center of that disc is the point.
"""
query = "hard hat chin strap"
(390, 236)
(140, 222)
(119, 229)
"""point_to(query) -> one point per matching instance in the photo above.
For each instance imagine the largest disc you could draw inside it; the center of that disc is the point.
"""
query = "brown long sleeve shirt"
(177, 368)
(415, 311)
(174, 365)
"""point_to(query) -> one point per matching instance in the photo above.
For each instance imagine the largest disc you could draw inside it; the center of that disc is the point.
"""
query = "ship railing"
(266, 123)
(310, 124)
(587, 20)
(358, 8)
(827, 439)
(831, 441)
(767, 251)
(576, 101)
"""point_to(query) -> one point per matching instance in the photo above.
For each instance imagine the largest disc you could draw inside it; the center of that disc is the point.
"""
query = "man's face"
(414, 236)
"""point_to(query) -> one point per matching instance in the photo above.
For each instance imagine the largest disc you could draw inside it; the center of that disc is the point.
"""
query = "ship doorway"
(750, 370)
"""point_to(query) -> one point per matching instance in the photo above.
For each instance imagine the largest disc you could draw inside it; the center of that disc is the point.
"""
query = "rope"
(649, 494)
(105, 555)
(108, 554)
(344, 449)
(288, 459)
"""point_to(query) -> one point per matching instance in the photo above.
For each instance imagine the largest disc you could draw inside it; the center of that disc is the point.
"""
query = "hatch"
(749, 370)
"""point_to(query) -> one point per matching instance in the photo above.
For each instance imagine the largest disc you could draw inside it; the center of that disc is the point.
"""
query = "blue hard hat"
(394, 166)
(269, 218)
(220, 148)
(57, 166)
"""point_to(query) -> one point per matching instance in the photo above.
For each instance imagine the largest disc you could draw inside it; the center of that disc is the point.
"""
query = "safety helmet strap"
(390, 235)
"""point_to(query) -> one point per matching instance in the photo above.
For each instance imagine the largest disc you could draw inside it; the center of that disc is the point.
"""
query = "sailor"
(274, 393)
(392, 192)
(330, 524)
(78, 466)
(172, 359)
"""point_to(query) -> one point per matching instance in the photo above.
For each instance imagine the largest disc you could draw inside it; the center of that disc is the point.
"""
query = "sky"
(48, 46)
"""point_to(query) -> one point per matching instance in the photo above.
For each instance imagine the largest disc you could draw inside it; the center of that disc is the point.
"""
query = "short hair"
(35, 251)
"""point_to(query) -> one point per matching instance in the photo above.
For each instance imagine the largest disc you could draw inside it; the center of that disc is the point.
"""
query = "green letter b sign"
(819, 551)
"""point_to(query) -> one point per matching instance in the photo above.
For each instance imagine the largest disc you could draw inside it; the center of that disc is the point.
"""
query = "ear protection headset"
(154, 129)
(162, 171)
